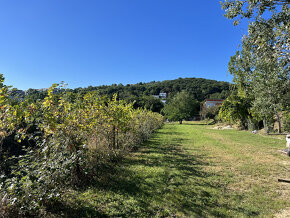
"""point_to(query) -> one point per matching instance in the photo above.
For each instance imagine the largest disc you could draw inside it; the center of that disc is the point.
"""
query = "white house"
(212, 102)
(162, 96)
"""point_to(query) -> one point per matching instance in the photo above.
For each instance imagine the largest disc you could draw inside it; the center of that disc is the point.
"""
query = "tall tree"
(264, 80)
(261, 68)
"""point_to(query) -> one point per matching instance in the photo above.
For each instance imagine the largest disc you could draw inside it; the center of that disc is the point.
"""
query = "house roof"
(214, 100)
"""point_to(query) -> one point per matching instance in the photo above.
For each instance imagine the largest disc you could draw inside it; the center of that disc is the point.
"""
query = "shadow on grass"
(195, 124)
(165, 177)
(161, 179)
(75, 210)
(199, 124)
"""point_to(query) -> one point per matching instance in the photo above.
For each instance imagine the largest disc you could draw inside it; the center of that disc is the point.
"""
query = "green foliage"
(151, 103)
(210, 113)
(76, 136)
(220, 95)
(197, 87)
(140, 95)
(180, 107)
(261, 68)
(261, 77)
(33, 95)
(286, 122)
(235, 109)
(254, 9)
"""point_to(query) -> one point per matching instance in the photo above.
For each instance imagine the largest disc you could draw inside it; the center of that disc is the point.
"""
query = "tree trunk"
(279, 122)
(266, 125)
(243, 124)
(180, 121)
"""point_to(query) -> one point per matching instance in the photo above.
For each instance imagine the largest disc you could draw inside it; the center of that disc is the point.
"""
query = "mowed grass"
(191, 170)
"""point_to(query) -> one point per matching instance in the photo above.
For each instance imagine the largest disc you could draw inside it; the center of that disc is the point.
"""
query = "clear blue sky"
(96, 42)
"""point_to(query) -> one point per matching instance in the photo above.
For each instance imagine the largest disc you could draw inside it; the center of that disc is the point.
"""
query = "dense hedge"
(67, 142)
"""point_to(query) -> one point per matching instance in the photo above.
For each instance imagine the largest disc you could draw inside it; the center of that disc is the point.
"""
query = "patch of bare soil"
(283, 214)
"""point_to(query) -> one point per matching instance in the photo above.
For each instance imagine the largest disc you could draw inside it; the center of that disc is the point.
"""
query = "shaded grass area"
(190, 170)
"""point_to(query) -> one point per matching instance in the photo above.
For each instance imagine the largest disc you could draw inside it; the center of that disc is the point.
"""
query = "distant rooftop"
(214, 99)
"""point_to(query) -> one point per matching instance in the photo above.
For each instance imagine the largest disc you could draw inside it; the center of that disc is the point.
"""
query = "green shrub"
(77, 139)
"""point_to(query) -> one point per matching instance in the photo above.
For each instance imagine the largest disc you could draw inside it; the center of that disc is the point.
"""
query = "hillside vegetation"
(199, 88)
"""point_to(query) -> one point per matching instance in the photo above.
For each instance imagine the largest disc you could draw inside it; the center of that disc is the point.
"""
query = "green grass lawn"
(191, 170)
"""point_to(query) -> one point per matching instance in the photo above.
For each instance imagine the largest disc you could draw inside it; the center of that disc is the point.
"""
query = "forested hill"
(141, 93)
(200, 88)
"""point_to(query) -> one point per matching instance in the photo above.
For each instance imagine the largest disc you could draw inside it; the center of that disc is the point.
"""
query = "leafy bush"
(236, 109)
(75, 137)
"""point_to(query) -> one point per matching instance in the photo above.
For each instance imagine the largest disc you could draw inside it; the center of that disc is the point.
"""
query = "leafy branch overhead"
(251, 8)
(261, 68)
(265, 16)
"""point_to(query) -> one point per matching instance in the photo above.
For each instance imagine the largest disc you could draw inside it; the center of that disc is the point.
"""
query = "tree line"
(260, 67)
(141, 94)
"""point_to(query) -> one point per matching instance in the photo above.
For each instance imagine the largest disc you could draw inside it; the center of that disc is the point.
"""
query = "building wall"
(212, 103)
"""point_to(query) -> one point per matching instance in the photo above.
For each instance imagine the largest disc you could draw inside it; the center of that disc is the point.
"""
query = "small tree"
(181, 106)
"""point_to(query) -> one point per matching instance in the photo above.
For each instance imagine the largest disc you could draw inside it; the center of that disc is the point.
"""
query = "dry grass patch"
(252, 166)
